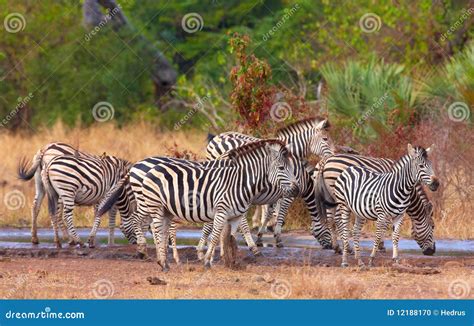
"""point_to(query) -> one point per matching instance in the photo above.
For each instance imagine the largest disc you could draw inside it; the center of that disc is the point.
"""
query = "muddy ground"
(116, 272)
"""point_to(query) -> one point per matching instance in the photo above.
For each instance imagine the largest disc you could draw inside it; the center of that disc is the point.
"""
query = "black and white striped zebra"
(420, 209)
(305, 137)
(82, 181)
(219, 190)
(381, 197)
(41, 159)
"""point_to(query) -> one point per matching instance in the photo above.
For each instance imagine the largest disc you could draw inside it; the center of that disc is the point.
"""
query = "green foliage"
(68, 74)
(455, 81)
(368, 96)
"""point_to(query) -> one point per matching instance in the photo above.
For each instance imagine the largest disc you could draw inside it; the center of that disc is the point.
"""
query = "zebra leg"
(206, 232)
(60, 220)
(138, 222)
(331, 223)
(282, 210)
(217, 226)
(359, 223)
(159, 228)
(95, 226)
(257, 217)
(343, 230)
(269, 212)
(39, 195)
(245, 229)
(173, 229)
(54, 223)
(68, 207)
(381, 226)
(112, 219)
(395, 237)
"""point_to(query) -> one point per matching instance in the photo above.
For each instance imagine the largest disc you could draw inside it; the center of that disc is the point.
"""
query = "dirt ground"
(280, 273)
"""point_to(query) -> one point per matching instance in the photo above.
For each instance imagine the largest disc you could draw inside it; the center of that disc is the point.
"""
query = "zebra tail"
(324, 198)
(26, 174)
(112, 196)
(210, 137)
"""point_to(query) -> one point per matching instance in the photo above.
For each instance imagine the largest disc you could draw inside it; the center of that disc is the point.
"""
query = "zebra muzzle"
(434, 184)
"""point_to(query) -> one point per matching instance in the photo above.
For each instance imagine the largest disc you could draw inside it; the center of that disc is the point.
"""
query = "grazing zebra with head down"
(382, 197)
(304, 137)
(420, 208)
(82, 181)
(40, 160)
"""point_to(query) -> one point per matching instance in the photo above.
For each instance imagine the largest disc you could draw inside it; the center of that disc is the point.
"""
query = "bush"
(370, 97)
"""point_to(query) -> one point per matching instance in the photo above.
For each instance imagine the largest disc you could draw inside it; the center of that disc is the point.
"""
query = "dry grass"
(137, 141)
(133, 142)
(79, 278)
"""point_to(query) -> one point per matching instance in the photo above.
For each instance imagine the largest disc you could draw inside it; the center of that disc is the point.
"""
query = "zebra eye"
(421, 166)
(281, 168)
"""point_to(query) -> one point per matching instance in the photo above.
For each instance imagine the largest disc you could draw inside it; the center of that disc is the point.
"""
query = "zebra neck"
(403, 170)
(299, 142)
(251, 175)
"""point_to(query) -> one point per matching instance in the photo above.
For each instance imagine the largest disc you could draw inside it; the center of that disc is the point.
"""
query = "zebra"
(420, 208)
(303, 172)
(382, 197)
(219, 190)
(81, 181)
(41, 159)
(305, 137)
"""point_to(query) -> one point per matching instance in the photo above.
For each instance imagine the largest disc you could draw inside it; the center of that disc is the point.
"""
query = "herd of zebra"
(239, 171)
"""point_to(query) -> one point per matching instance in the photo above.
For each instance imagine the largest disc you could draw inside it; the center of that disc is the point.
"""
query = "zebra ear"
(430, 149)
(289, 147)
(309, 168)
(323, 124)
(411, 150)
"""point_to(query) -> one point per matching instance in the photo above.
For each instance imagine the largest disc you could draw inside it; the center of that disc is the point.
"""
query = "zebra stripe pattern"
(82, 181)
(304, 137)
(420, 208)
(220, 192)
(42, 159)
(381, 197)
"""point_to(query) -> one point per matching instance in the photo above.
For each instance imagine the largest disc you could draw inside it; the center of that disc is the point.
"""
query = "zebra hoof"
(259, 243)
(207, 265)
(371, 262)
(256, 252)
(164, 267)
(279, 244)
(35, 240)
(200, 255)
(337, 250)
(396, 261)
(58, 245)
(142, 255)
(91, 243)
(344, 265)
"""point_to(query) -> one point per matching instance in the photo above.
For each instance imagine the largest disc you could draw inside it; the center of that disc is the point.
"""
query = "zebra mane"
(253, 146)
(305, 124)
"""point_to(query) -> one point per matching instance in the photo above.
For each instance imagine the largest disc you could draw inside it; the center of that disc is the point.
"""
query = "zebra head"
(422, 167)
(422, 230)
(320, 143)
(280, 169)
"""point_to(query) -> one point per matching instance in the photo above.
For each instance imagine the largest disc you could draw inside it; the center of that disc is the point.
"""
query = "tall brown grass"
(132, 142)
